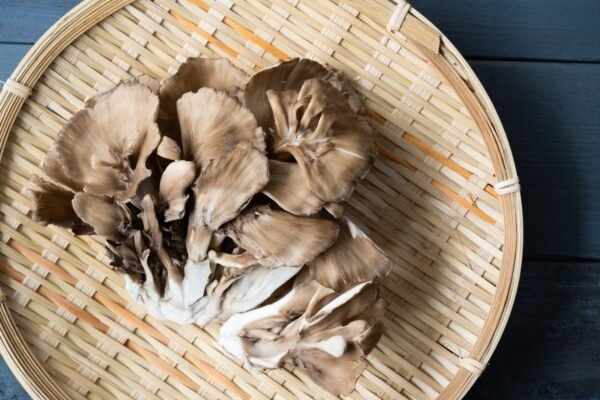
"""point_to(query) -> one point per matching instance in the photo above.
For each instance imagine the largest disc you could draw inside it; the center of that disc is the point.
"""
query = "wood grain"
(24, 21)
(549, 349)
(11, 54)
(532, 29)
(550, 112)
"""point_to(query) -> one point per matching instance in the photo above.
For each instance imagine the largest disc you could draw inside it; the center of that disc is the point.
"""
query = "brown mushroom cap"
(52, 205)
(354, 258)
(196, 73)
(289, 75)
(169, 149)
(221, 126)
(108, 218)
(333, 146)
(151, 83)
(287, 188)
(174, 182)
(277, 239)
(223, 189)
(326, 333)
(104, 148)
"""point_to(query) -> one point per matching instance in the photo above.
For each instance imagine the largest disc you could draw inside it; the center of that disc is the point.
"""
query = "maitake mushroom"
(219, 197)
(328, 333)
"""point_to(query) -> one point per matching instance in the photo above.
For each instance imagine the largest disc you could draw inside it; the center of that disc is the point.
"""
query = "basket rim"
(33, 376)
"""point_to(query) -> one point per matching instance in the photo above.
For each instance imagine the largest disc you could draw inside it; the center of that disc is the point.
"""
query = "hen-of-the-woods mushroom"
(305, 238)
(327, 333)
(104, 149)
(219, 198)
(353, 258)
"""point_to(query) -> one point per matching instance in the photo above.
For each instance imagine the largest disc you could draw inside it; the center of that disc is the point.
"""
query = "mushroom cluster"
(219, 198)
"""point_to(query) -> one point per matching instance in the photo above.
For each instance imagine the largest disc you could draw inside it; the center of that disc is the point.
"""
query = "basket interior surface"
(431, 200)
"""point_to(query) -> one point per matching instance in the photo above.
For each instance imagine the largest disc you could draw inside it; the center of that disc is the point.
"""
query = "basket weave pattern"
(432, 201)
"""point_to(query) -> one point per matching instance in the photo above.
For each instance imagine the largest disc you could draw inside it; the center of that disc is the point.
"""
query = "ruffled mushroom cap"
(221, 192)
(197, 73)
(151, 83)
(287, 188)
(289, 75)
(169, 149)
(333, 146)
(221, 125)
(276, 239)
(176, 179)
(354, 258)
(324, 332)
(52, 205)
(104, 149)
(105, 216)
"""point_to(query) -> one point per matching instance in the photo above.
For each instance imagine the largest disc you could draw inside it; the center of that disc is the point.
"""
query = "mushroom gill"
(324, 332)
(276, 239)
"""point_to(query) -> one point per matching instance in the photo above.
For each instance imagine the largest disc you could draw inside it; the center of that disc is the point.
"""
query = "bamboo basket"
(442, 199)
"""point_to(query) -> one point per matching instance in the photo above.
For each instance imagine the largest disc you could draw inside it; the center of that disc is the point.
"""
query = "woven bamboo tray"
(442, 199)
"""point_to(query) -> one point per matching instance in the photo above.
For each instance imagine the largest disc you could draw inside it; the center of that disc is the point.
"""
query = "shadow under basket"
(442, 199)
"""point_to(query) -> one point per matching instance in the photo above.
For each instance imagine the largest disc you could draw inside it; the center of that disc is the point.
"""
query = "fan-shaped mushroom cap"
(277, 239)
(174, 182)
(196, 73)
(52, 205)
(146, 80)
(354, 258)
(222, 125)
(314, 328)
(169, 149)
(109, 219)
(53, 168)
(287, 188)
(333, 146)
(221, 192)
(289, 75)
(104, 149)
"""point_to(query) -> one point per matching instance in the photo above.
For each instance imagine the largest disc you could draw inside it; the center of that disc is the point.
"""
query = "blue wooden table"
(540, 62)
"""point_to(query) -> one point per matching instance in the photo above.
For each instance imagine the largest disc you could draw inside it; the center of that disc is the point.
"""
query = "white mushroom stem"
(181, 296)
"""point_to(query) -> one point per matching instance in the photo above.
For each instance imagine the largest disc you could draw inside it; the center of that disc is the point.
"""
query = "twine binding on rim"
(508, 186)
(399, 15)
(16, 88)
(473, 366)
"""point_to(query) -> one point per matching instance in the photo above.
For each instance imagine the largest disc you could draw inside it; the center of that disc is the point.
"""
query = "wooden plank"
(9, 386)
(24, 21)
(550, 347)
(10, 55)
(550, 112)
(532, 29)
